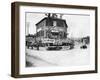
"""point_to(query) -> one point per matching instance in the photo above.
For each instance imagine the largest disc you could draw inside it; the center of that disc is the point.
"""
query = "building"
(51, 30)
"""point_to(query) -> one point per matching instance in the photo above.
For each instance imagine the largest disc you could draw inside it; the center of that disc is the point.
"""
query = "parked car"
(30, 45)
(54, 48)
(83, 46)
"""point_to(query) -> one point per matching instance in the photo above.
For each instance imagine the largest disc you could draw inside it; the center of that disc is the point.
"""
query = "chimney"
(61, 16)
(54, 15)
(48, 14)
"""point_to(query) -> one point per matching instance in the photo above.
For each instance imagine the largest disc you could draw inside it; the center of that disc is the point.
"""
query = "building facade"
(51, 30)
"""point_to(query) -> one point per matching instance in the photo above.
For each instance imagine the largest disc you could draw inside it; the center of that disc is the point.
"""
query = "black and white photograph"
(58, 39)
(53, 39)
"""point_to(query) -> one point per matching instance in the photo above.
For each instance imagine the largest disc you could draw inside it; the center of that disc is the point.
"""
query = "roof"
(49, 20)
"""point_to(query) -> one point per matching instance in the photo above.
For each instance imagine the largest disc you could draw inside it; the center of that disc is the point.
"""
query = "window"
(54, 23)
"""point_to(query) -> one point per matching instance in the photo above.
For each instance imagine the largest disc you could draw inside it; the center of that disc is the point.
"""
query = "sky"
(78, 25)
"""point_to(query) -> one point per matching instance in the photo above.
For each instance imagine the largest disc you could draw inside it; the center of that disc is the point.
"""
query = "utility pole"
(27, 28)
